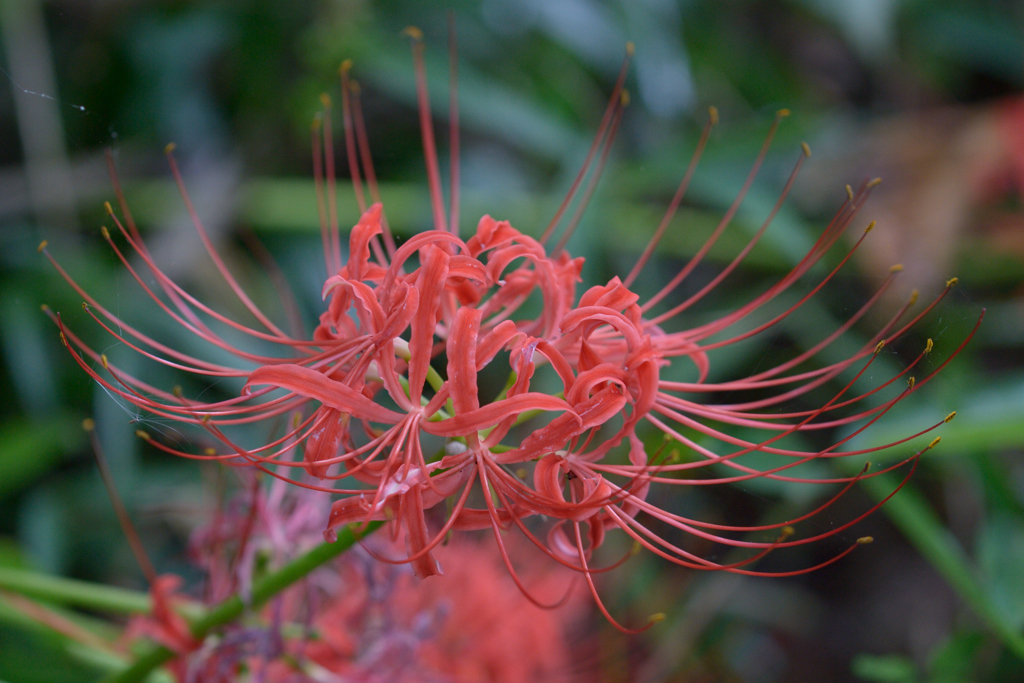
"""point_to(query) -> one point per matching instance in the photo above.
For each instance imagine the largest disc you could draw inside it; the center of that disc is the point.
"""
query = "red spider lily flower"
(369, 403)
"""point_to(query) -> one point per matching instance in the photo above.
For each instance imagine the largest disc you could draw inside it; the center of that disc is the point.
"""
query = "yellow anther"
(935, 442)
(521, 473)
(44, 308)
(317, 122)
(929, 346)
(911, 381)
(879, 347)
(353, 85)
(952, 281)
(205, 419)
(874, 182)
(176, 390)
(104, 232)
(42, 245)
(849, 192)
(867, 466)
(896, 267)
(209, 450)
(871, 226)
(806, 148)
(325, 100)
(624, 97)
(413, 32)
(713, 115)
(787, 531)
(296, 420)
(782, 113)
(655, 618)
(949, 417)
(346, 66)
(109, 208)
(169, 148)
(103, 361)
(63, 339)
(142, 434)
(630, 48)
(88, 424)
(913, 297)
(85, 306)
(864, 540)
(635, 550)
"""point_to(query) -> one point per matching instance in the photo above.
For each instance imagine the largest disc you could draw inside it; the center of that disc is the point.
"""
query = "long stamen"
(453, 125)
(817, 251)
(613, 104)
(138, 335)
(677, 198)
(218, 262)
(318, 186)
(595, 176)
(267, 262)
(136, 238)
(364, 155)
(352, 150)
(183, 300)
(749, 246)
(123, 518)
(726, 219)
(350, 143)
(332, 187)
(427, 128)
(597, 599)
(482, 468)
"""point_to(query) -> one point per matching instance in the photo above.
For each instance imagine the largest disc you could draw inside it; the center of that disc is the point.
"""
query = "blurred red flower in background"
(366, 619)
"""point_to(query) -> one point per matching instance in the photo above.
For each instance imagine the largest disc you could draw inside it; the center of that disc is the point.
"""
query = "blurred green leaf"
(32, 657)
(968, 36)
(26, 352)
(953, 662)
(884, 668)
(912, 514)
(72, 592)
(1001, 560)
(29, 448)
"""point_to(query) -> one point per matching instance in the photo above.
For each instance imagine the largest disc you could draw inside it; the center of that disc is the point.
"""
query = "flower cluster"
(385, 400)
(364, 616)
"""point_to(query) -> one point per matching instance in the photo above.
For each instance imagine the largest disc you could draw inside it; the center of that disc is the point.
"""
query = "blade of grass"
(913, 516)
(74, 593)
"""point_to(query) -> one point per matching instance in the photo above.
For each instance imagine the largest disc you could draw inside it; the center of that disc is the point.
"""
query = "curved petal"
(317, 386)
(491, 414)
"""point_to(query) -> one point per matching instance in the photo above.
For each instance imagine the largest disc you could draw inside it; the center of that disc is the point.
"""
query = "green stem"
(62, 591)
(264, 589)
(442, 413)
(434, 378)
